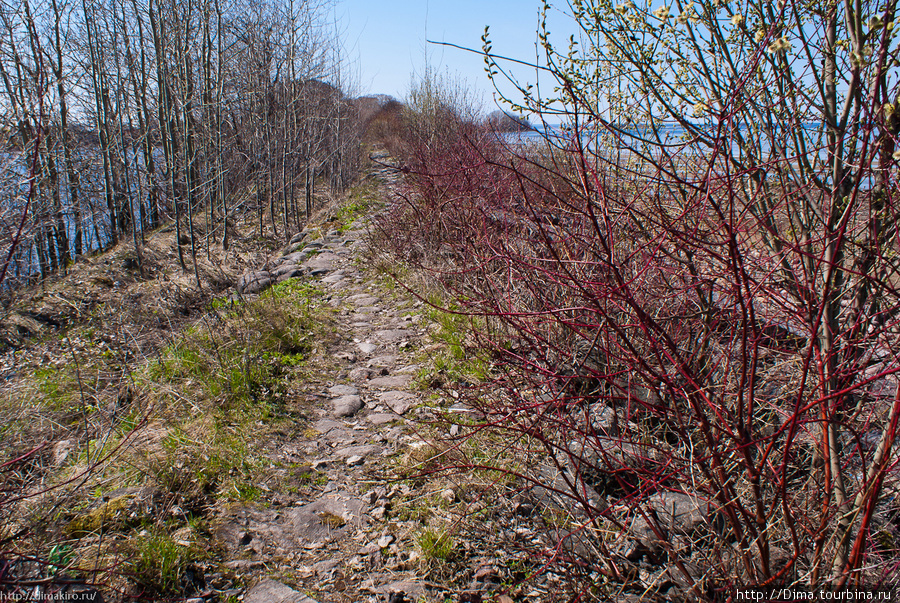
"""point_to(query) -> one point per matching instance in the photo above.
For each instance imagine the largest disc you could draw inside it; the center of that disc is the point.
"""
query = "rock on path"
(270, 591)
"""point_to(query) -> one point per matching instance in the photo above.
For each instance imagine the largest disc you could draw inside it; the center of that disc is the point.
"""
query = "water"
(756, 148)
(96, 225)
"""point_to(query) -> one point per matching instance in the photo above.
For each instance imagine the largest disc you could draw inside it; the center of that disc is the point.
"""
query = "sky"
(386, 39)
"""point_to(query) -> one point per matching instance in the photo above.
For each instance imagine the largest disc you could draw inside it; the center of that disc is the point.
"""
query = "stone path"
(341, 543)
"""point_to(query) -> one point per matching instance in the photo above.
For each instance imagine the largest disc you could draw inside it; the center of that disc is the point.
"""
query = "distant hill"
(370, 106)
(379, 116)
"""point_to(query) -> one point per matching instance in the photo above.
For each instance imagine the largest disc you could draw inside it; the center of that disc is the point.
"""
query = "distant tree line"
(120, 115)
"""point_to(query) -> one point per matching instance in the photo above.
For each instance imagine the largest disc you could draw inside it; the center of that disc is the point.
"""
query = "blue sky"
(387, 39)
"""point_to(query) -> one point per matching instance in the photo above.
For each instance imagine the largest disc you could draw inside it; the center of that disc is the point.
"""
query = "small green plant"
(457, 359)
(208, 460)
(244, 492)
(237, 357)
(295, 289)
(160, 562)
(347, 214)
(436, 544)
(58, 558)
(57, 387)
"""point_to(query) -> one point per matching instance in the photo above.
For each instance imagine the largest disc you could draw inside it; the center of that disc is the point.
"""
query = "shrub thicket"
(690, 292)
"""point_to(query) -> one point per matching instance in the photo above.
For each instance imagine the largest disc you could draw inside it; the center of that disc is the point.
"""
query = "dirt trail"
(345, 543)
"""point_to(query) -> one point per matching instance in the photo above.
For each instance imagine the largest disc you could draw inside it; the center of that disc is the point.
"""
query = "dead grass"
(140, 402)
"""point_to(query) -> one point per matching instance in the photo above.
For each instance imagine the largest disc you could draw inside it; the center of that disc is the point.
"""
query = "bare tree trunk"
(67, 139)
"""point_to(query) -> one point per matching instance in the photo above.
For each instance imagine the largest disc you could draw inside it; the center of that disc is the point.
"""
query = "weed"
(436, 544)
(295, 289)
(218, 303)
(348, 213)
(244, 492)
(303, 474)
(237, 358)
(159, 562)
(58, 387)
(58, 558)
(213, 461)
(456, 359)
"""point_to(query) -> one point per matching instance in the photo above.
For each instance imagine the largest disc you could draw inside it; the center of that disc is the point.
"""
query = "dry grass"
(139, 402)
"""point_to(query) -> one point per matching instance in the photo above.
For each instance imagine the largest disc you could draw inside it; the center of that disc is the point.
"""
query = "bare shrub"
(694, 320)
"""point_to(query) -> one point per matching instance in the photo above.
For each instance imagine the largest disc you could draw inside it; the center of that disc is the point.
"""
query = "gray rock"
(677, 513)
(284, 268)
(322, 262)
(299, 237)
(603, 420)
(363, 299)
(254, 282)
(325, 426)
(243, 565)
(328, 518)
(360, 451)
(366, 347)
(326, 568)
(297, 273)
(381, 418)
(270, 591)
(392, 335)
(360, 374)
(343, 390)
(61, 451)
(397, 401)
(385, 361)
(683, 514)
(294, 258)
(348, 356)
(341, 437)
(347, 406)
(393, 382)
(412, 589)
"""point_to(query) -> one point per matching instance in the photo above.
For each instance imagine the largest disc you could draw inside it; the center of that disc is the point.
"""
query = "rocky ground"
(359, 537)
(346, 509)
